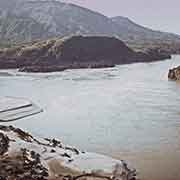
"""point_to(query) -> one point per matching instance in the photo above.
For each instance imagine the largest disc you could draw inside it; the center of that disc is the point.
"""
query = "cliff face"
(74, 52)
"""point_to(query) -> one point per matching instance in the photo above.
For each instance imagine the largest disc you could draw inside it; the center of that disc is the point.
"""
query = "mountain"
(65, 19)
(60, 19)
(27, 20)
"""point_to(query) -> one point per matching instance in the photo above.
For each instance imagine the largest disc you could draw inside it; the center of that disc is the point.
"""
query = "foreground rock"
(74, 52)
(24, 157)
(174, 74)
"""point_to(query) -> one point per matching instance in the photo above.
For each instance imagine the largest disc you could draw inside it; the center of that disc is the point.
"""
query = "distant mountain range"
(27, 20)
(133, 31)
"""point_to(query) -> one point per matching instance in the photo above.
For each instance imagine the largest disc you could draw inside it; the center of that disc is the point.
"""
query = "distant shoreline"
(76, 52)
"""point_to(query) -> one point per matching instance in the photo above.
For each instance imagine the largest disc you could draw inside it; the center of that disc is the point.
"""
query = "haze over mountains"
(25, 20)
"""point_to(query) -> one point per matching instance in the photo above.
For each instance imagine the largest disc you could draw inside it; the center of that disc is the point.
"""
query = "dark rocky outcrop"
(4, 144)
(174, 74)
(74, 52)
(24, 166)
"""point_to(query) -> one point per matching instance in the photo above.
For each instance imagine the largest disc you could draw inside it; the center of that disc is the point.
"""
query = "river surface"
(129, 112)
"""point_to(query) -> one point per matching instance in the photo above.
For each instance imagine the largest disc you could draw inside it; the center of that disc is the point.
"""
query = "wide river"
(129, 112)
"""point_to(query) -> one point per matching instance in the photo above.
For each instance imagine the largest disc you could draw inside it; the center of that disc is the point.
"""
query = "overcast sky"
(157, 14)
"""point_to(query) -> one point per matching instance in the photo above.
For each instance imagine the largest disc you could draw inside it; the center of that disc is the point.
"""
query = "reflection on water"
(130, 111)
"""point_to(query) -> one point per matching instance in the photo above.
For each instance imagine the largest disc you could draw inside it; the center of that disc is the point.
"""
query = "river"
(129, 112)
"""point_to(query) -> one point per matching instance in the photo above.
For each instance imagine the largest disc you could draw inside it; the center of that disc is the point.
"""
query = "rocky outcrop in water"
(174, 74)
(74, 52)
(25, 157)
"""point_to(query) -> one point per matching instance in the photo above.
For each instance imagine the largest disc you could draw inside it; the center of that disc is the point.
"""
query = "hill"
(58, 54)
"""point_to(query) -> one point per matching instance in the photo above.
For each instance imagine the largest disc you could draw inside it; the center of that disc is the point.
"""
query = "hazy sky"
(157, 14)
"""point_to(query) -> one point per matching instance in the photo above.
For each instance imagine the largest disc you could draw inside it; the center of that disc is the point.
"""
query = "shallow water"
(129, 112)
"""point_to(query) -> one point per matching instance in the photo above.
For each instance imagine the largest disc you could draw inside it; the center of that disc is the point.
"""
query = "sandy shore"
(162, 164)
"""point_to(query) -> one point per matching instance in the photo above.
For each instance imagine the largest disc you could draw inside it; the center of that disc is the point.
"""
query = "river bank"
(75, 52)
(23, 156)
(128, 111)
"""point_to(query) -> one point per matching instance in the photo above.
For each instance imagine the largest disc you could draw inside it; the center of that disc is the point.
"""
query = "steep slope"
(18, 29)
(66, 19)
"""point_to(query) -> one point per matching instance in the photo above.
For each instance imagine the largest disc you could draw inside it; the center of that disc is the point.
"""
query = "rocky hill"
(43, 19)
(58, 54)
